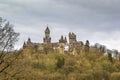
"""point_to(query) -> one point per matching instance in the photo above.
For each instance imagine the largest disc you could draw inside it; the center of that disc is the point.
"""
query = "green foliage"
(67, 67)
(45, 48)
(39, 65)
(87, 44)
(110, 57)
(115, 76)
(60, 61)
(53, 76)
(85, 76)
(100, 75)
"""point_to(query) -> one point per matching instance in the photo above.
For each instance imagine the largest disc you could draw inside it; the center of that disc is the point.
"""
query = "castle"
(62, 46)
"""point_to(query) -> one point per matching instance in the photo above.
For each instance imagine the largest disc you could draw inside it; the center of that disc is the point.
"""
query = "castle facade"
(62, 46)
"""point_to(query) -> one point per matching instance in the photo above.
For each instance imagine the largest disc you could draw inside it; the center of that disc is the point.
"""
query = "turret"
(47, 30)
(72, 38)
(47, 38)
(63, 40)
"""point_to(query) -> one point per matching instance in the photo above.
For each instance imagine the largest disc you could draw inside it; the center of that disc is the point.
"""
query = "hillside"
(85, 66)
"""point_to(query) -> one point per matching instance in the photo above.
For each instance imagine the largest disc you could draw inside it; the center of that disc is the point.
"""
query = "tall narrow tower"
(47, 38)
(72, 38)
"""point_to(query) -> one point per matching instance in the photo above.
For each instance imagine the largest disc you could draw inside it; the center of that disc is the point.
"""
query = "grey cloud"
(86, 18)
(83, 13)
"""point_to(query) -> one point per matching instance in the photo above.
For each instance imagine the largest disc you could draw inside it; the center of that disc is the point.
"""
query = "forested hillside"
(86, 66)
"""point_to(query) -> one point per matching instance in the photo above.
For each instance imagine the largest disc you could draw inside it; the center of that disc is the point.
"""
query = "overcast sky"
(95, 20)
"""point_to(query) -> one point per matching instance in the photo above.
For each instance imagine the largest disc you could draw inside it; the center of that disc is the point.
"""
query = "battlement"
(72, 35)
(63, 39)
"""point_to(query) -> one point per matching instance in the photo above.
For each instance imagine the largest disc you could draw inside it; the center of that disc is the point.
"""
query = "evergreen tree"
(110, 57)
(87, 45)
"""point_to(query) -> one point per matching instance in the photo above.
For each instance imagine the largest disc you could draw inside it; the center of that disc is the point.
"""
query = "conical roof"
(47, 30)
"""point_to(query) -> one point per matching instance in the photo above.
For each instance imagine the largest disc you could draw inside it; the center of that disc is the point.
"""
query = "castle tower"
(62, 44)
(72, 41)
(65, 40)
(72, 38)
(61, 40)
(47, 38)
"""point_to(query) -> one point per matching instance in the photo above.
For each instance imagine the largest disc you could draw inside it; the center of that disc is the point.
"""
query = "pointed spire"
(65, 39)
(62, 37)
(47, 30)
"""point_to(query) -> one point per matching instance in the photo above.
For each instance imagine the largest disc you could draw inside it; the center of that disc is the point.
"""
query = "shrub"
(38, 65)
(115, 76)
(60, 61)
(100, 75)
(84, 76)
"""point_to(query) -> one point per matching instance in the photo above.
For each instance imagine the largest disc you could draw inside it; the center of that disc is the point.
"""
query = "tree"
(116, 54)
(101, 48)
(8, 37)
(110, 57)
(87, 45)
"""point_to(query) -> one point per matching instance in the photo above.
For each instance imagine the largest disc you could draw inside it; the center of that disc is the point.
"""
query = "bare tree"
(101, 48)
(8, 37)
